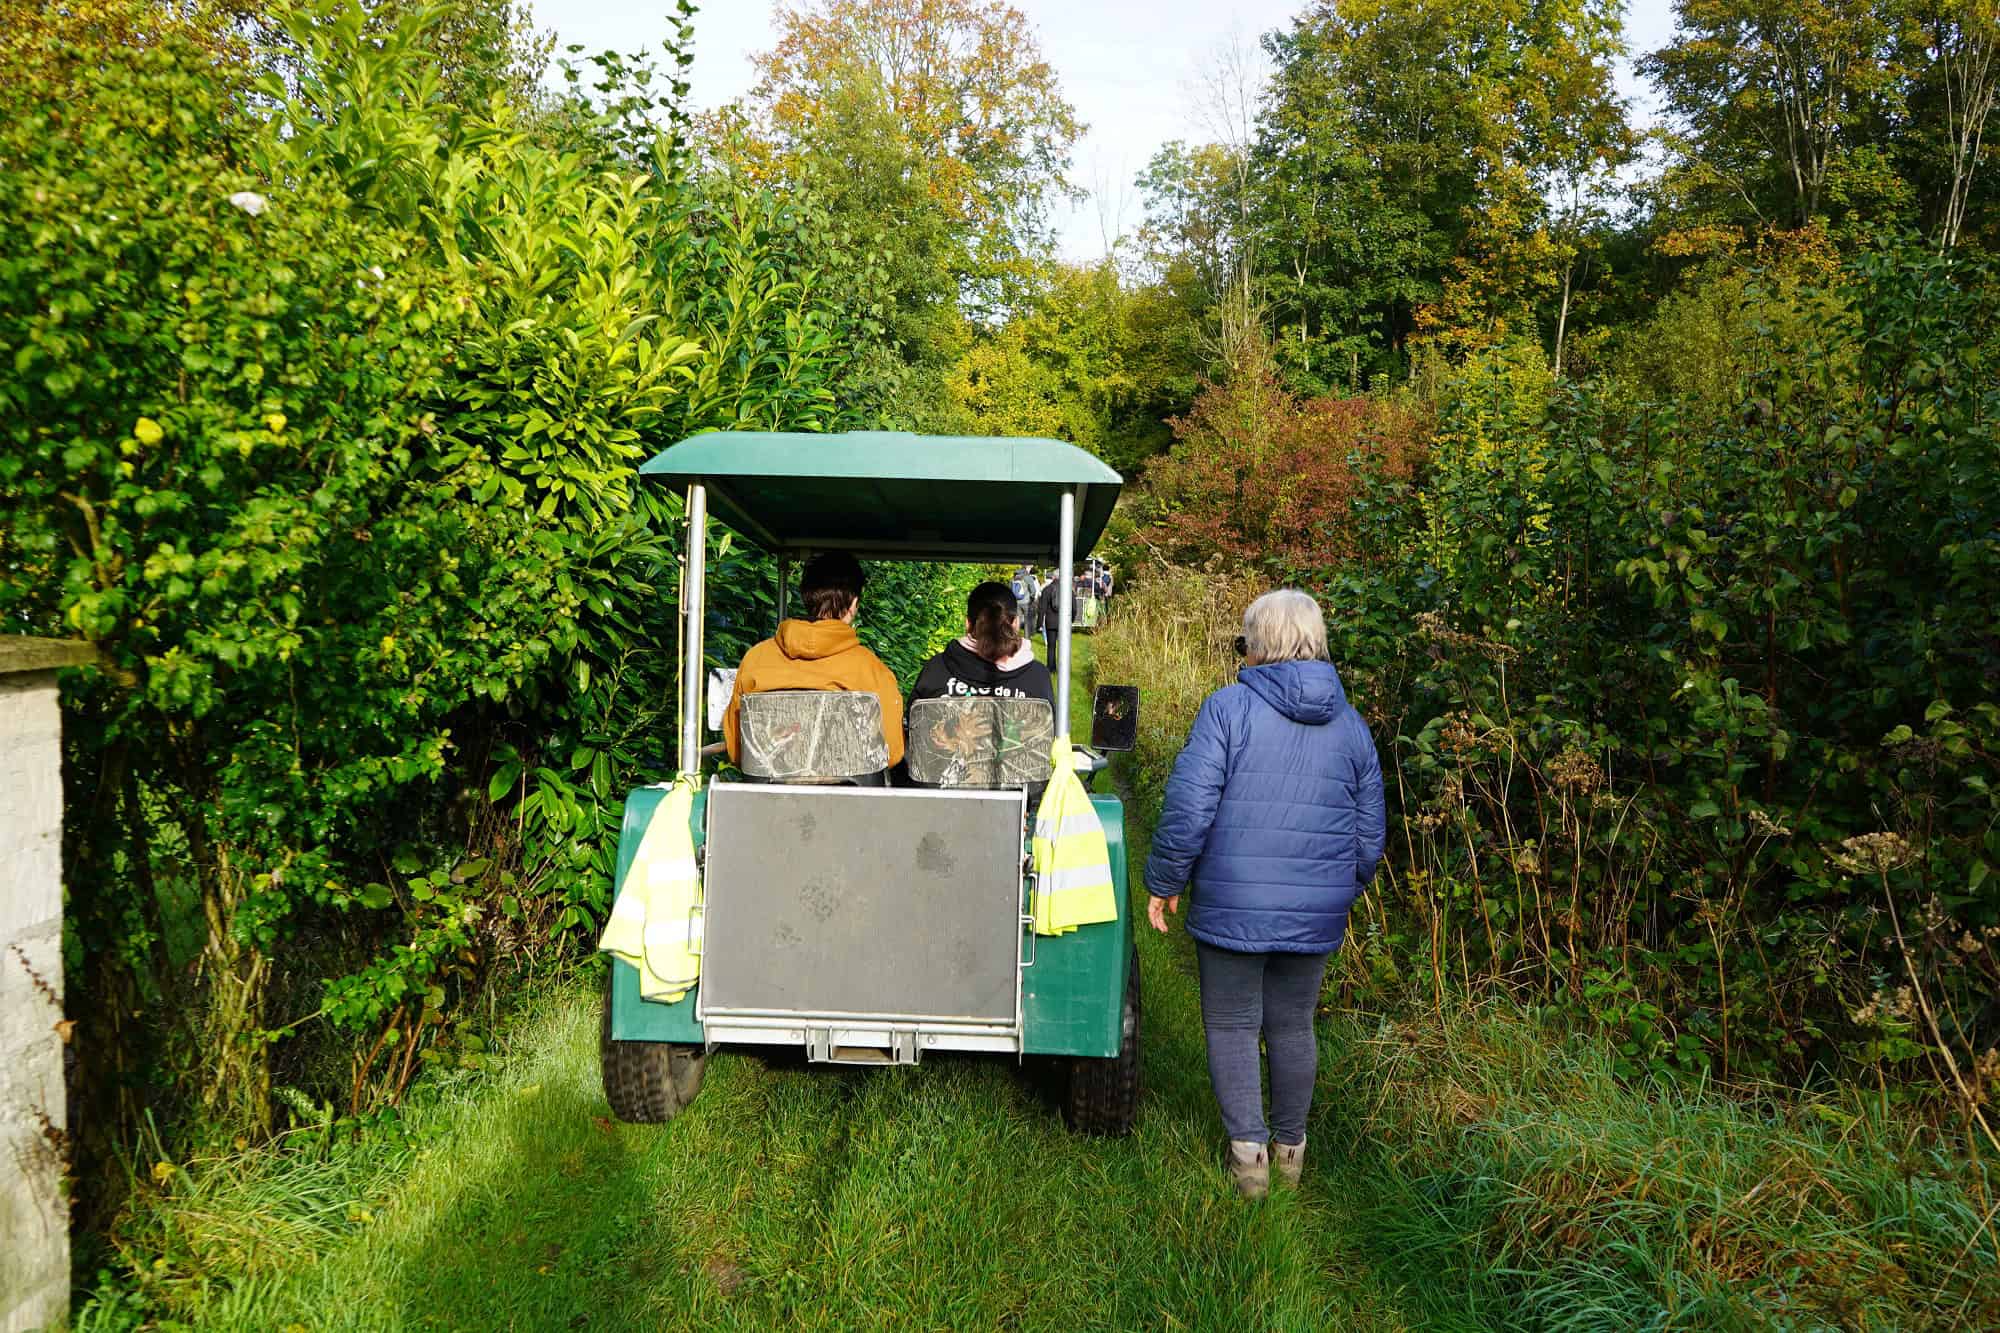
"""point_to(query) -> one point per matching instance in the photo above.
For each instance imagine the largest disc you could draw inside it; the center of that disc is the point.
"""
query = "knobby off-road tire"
(647, 1082)
(1103, 1095)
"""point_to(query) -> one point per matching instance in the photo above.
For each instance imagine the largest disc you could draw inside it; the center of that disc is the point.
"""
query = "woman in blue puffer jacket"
(1274, 817)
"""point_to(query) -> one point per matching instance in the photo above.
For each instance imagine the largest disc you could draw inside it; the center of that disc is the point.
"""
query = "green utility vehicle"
(869, 924)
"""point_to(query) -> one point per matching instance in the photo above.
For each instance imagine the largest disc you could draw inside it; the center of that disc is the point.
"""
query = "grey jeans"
(1244, 995)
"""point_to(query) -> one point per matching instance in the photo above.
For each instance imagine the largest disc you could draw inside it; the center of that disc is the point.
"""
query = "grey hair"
(1285, 626)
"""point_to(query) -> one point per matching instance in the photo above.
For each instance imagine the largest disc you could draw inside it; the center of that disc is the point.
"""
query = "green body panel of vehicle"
(633, 1018)
(1072, 994)
(894, 495)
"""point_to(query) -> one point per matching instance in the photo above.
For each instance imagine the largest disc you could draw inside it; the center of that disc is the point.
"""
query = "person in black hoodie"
(1050, 606)
(992, 660)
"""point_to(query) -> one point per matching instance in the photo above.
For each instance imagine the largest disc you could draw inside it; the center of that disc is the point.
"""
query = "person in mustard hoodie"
(819, 653)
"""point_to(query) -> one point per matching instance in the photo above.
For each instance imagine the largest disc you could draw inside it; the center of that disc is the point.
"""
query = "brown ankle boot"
(1250, 1168)
(1290, 1159)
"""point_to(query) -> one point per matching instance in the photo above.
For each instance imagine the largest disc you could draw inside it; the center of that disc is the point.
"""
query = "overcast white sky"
(1128, 66)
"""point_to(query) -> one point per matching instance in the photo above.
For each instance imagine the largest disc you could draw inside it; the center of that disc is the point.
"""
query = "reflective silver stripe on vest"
(1076, 877)
(1069, 826)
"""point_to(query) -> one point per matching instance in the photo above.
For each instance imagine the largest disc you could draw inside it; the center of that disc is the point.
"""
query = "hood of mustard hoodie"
(813, 640)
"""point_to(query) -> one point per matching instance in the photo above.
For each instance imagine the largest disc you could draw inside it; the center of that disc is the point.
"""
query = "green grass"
(943, 1197)
(1469, 1170)
(1483, 1173)
(1082, 663)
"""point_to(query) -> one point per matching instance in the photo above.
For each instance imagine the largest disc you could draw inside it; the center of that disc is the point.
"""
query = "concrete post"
(34, 1215)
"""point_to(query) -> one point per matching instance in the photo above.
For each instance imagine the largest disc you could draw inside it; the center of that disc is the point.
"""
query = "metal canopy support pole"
(1065, 593)
(694, 586)
(784, 587)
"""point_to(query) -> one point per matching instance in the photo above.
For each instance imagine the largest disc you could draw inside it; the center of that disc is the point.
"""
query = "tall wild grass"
(1172, 634)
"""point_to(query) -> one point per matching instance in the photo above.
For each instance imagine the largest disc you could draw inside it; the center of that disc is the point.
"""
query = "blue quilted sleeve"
(1193, 792)
(1372, 821)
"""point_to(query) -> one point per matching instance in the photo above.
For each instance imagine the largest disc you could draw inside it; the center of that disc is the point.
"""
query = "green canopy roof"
(895, 495)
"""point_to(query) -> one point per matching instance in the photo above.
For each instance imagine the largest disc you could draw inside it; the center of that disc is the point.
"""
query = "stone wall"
(34, 1214)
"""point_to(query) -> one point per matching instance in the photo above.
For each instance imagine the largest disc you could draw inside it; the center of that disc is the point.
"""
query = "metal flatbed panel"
(858, 902)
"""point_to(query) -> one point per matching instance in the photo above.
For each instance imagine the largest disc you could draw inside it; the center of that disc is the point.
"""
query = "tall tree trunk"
(1562, 315)
(236, 974)
(1968, 55)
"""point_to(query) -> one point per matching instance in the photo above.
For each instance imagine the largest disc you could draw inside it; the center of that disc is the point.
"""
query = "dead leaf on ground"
(726, 1275)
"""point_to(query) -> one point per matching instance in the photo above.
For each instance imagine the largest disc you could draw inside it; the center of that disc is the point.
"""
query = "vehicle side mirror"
(1114, 717)
(721, 684)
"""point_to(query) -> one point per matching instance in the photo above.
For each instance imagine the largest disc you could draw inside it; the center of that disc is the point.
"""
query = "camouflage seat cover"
(988, 743)
(812, 736)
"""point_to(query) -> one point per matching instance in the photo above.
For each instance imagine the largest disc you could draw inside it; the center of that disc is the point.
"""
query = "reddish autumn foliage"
(1259, 475)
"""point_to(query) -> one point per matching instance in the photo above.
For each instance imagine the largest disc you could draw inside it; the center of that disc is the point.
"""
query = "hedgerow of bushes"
(1685, 690)
(325, 392)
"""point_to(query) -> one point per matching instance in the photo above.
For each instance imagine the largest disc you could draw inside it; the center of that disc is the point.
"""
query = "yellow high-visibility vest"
(656, 921)
(1072, 862)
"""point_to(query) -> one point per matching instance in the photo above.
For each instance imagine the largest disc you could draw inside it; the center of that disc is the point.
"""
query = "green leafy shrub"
(219, 470)
(326, 399)
(1661, 701)
(1686, 704)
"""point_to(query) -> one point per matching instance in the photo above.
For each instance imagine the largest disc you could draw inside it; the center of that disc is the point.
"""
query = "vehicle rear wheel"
(647, 1082)
(1103, 1094)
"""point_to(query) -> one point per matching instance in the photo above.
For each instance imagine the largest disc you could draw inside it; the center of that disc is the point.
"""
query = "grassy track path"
(945, 1197)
